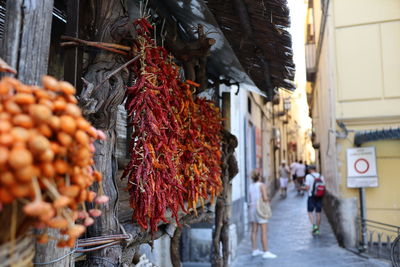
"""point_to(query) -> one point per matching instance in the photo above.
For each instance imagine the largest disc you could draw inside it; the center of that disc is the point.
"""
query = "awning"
(258, 33)
(370, 136)
(263, 62)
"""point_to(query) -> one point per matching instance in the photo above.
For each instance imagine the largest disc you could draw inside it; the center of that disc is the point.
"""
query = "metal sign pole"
(363, 214)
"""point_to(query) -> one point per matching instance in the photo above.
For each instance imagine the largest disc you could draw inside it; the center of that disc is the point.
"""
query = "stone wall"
(196, 243)
(342, 215)
(159, 253)
(239, 218)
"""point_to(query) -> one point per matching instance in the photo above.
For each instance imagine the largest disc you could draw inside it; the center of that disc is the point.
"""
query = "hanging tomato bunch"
(46, 150)
(175, 147)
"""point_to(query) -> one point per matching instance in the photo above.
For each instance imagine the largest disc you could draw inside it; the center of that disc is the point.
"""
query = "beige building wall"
(367, 34)
(358, 83)
(368, 91)
(383, 202)
(323, 109)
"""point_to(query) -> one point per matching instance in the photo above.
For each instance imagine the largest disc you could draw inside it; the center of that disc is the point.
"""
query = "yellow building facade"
(353, 69)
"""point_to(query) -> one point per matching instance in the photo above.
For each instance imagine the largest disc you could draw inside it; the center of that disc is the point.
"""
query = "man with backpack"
(315, 186)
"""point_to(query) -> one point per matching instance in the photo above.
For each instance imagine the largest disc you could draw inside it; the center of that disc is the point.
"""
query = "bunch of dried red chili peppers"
(200, 146)
(175, 145)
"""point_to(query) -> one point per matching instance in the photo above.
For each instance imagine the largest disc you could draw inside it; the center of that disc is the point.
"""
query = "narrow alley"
(140, 133)
(290, 238)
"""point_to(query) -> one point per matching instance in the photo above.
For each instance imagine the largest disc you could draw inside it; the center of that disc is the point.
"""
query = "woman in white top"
(257, 190)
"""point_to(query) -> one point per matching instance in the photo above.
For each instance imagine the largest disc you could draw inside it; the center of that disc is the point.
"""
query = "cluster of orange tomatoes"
(46, 156)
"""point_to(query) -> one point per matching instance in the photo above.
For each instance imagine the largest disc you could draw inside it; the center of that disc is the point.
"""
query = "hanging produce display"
(175, 145)
(153, 182)
(200, 145)
(46, 150)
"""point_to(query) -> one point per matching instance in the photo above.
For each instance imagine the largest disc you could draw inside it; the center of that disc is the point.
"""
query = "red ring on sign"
(360, 171)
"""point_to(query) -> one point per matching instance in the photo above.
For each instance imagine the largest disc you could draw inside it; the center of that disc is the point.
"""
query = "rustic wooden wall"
(26, 45)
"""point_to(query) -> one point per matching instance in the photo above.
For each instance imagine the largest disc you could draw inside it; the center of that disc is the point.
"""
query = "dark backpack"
(319, 187)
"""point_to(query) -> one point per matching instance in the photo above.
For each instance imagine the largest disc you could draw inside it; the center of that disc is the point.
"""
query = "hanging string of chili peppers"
(210, 121)
(175, 145)
(201, 157)
(153, 182)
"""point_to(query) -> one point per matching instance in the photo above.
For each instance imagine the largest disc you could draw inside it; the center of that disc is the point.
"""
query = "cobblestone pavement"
(290, 238)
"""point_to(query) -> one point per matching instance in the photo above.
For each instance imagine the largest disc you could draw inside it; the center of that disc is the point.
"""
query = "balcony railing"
(311, 61)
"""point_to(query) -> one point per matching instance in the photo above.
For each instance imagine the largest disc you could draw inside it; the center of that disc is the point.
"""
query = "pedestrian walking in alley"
(315, 187)
(300, 174)
(293, 167)
(284, 174)
(258, 190)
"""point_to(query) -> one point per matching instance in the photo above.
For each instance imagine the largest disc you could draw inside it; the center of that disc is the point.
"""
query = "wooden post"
(107, 21)
(226, 110)
(27, 38)
(73, 55)
(223, 207)
(26, 46)
(175, 246)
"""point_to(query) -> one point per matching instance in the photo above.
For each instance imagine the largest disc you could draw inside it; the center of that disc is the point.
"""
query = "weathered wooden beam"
(27, 38)
(12, 30)
(193, 49)
(175, 247)
(105, 21)
(141, 237)
(192, 54)
(220, 239)
(26, 46)
(73, 55)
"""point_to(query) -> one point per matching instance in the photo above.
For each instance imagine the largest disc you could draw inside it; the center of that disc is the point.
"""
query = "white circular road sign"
(361, 165)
